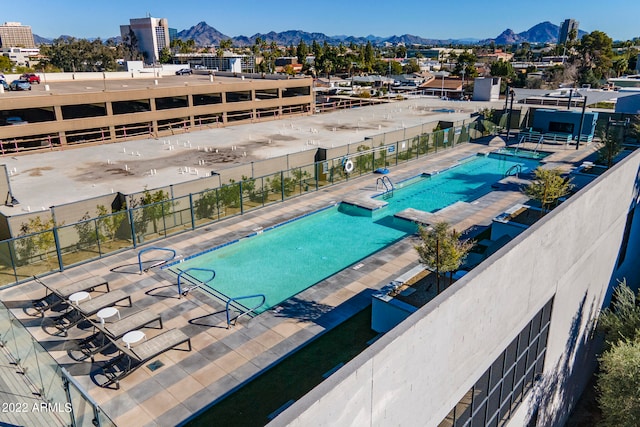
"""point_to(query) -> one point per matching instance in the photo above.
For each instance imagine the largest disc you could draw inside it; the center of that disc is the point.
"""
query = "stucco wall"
(418, 371)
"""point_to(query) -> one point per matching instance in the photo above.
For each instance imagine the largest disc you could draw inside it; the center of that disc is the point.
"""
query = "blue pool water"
(521, 152)
(288, 259)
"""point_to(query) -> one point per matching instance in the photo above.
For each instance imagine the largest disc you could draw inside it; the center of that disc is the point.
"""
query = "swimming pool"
(523, 152)
(285, 260)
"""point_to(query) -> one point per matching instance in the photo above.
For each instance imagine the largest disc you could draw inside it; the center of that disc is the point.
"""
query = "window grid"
(491, 401)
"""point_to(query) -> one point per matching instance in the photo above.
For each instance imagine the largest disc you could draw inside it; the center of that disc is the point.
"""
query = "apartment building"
(148, 36)
(14, 34)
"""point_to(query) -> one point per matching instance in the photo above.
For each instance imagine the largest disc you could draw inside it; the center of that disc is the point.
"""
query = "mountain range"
(205, 35)
(544, 32)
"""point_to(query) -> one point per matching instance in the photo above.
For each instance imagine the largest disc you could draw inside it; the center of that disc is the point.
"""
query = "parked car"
(20, 85)
(5, 85)
(15, 120)
(182, 71)
(30, 77)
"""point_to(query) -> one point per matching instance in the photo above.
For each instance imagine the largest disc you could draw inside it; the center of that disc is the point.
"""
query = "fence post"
(164, 219)
(67, 390)
(13, 257)
(56, 239)
(95, 223)
(397, 149)
(191, 210)
(133, 228)
(282, 182)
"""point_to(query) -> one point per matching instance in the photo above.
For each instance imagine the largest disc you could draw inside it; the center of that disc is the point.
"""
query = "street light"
(584, 107)
(464, 70)
(443, 74)
(513, 95)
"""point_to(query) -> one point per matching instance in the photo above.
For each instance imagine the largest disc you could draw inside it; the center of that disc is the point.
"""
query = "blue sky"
(429, 19)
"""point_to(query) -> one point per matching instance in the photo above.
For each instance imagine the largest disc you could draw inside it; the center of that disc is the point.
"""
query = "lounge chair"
(104, 335)
(88, 308)
(57, 294)
(131, 359)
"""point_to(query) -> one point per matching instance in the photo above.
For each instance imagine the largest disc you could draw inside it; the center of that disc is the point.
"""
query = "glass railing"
(66, 401)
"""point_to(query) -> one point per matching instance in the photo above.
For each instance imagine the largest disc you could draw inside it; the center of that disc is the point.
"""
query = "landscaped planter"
(514, 221)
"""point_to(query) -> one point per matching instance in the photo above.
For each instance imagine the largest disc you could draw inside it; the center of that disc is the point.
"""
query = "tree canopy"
(621, 320)
(441, 248)
(70, 54)
(618, 382)
(596, 52)
(503, 69)
(548, 186)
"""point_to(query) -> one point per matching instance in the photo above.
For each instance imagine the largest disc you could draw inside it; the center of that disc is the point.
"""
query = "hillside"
(205, 35)
(544, 32)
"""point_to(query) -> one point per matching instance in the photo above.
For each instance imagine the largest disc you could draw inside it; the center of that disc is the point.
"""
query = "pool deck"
(223, 359)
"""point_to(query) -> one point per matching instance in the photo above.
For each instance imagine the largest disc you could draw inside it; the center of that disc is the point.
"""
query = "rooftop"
(61, 176)
(223, 359)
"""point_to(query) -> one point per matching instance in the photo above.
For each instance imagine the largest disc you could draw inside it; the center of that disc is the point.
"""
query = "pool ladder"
(158, 263)
(199, 283)
(513, 170)
(385, 184)
(246, 311)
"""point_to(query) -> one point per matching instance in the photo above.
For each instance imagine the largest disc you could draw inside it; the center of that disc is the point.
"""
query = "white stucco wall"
(418, 371)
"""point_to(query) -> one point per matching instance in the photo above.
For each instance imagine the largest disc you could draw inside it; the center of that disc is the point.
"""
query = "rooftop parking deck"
(62, 175)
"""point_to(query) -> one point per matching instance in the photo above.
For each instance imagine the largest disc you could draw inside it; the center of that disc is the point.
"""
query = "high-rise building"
(14, 34)
(565, 29)
(146, 35)
(173, 34)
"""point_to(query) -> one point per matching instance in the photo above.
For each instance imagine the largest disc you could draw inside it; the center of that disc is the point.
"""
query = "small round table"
(105, 313)
(133, 337)
(79, 296)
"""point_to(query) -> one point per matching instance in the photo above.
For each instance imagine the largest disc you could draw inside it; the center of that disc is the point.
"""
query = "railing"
(173, 252)
(49, 382)
(563, 138)
(247, 311)
(386, 184)
(194, 286)
(540, 141)
(513, 170)
(586, 138)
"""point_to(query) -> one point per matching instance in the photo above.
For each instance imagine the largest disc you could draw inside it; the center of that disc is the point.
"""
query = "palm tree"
(620, 66)
(224, 45)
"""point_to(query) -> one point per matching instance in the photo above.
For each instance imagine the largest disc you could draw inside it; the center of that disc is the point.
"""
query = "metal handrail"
(380, 181)
(540, 141)
(264, 299)
(159, 262)
(387, 188)
(389, 181)
(187, 290)
(516, 169)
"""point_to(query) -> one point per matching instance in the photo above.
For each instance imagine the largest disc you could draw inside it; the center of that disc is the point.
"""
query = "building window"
(492, 399)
